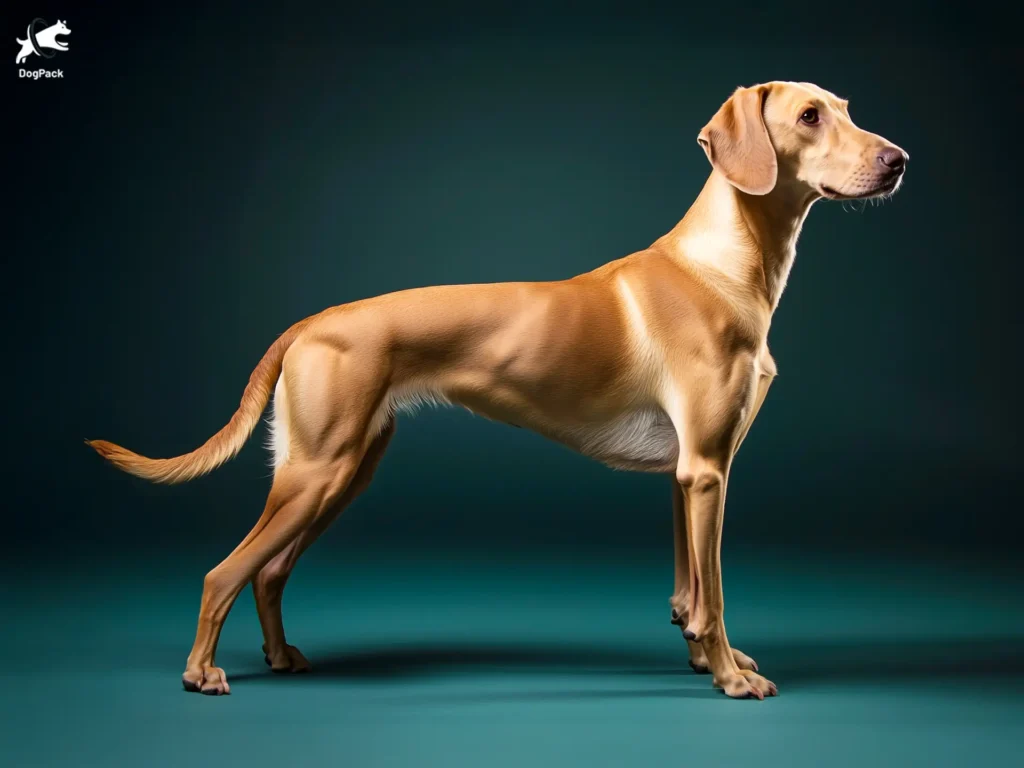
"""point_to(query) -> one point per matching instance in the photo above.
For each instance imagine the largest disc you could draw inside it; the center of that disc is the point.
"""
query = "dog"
(46, 38)
(657, 362)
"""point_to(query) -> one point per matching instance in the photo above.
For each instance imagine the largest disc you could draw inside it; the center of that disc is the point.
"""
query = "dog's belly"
(640, 440)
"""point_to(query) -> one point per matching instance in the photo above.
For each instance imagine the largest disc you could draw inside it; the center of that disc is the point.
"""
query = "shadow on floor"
(466, 659)
(803, 662)
(434, 659)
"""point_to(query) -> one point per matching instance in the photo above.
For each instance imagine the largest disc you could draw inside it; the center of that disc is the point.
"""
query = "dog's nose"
(893, 158)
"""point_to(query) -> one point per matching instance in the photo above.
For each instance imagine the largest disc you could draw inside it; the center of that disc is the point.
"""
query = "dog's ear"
(736, 142)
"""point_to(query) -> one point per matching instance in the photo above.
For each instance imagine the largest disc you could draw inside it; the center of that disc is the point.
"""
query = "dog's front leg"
(702, 481)
(681, 597)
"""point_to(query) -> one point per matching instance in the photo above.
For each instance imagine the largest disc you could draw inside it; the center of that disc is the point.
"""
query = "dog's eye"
(810, 116)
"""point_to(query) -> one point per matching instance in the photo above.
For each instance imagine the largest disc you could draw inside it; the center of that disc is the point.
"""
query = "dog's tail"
(224, 445)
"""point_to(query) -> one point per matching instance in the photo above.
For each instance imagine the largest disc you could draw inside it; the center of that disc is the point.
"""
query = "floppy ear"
(736, 142)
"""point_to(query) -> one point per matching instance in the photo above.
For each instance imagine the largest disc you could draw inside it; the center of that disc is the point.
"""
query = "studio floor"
(454, 660)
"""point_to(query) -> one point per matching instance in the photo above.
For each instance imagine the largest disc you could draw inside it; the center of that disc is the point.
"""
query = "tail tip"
(102, 447)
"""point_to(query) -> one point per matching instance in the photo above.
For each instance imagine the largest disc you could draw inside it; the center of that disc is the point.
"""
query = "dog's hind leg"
(329, 437)
(268, 586)
(300, 495)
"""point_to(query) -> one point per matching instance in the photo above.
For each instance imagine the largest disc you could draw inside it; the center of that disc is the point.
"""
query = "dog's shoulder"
(679, 301)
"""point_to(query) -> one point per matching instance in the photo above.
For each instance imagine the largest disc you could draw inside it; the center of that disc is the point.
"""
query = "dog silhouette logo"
(42, 40)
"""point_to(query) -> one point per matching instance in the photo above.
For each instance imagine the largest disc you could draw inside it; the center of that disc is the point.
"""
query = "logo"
(41, 40)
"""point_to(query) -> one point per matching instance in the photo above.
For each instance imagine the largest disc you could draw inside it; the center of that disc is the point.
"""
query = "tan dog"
(657, 362)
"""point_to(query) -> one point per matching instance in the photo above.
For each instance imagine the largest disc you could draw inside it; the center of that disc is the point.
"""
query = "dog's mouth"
(886, 188)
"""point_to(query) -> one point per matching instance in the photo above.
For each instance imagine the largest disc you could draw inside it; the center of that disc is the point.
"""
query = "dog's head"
(799, 136)
(60, 28)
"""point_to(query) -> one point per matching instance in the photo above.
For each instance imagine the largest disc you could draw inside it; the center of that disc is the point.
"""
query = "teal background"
(204, 177)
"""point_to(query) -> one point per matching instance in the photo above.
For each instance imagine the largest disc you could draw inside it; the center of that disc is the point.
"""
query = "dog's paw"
(699, 662)
(762, 685)
(743, 661)
(747, 685)
(209, 680)
(289, 659)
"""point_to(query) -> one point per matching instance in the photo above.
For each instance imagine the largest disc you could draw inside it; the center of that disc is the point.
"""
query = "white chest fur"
(643, 439)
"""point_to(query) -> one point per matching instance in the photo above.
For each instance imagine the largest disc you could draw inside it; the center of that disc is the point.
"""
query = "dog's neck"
(745, 243)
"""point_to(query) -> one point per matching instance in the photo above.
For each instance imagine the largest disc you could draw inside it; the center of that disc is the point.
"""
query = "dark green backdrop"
(200, 181)
(204, 177)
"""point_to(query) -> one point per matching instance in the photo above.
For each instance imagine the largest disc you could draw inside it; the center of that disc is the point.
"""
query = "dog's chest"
(642, 439)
